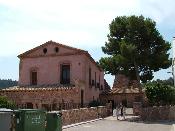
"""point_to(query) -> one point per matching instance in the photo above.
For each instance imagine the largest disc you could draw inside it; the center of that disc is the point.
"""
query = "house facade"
(53, 65)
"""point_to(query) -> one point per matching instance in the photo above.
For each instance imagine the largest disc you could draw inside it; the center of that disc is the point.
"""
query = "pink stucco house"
(56, 65)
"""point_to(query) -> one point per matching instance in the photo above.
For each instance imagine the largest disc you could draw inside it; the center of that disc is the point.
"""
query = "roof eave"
(46, 43)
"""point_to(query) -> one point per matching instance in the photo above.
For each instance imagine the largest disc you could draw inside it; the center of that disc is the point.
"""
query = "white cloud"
(77, 11)
(81, 23)
(68, 5)
(22, 41)
(77, 22)
(160, 11)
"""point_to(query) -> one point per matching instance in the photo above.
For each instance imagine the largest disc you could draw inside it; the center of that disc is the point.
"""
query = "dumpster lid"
(5, 110)
(30, 110)
(54, 112)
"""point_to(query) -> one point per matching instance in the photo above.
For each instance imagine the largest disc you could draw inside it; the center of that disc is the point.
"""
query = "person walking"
(118, 111)
(124, 113)
(121, 110)
(118, 108)
(114, 112)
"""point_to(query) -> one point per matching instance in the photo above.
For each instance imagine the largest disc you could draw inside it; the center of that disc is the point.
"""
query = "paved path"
(111, 124)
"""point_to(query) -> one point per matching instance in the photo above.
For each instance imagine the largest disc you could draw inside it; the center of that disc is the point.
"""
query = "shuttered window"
(34, 78)
(65, 74)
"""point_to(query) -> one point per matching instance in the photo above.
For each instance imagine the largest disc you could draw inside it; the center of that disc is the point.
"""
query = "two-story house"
(54, 66)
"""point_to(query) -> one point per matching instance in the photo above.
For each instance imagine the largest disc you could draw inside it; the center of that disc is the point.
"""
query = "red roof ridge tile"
(31, 88)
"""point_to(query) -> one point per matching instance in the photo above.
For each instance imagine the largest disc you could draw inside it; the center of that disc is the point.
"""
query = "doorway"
(82, 98)
(112, 102)
(29, 105)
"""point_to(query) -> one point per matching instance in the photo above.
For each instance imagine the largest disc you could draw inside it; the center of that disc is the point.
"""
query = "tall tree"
(135, 48)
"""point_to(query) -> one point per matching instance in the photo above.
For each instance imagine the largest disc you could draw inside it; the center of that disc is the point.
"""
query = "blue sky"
(25, 24)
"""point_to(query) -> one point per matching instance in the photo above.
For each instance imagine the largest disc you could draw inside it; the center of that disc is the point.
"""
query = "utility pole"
(173, 60)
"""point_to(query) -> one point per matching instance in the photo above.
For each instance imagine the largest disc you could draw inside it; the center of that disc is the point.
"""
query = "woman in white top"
(118, 111)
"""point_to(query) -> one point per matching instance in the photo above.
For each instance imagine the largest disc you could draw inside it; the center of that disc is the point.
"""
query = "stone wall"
(83, 114)
(47, 98)
(154, 113)
(158, 113)
(137, 108)
(118, 98)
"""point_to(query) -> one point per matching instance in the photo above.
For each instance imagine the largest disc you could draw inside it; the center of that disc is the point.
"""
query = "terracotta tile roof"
(124, 90)
(38, 88)
(105, 92)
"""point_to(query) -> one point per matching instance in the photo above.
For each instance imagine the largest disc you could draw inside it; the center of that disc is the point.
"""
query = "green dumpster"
(54, 122)
(30, 120)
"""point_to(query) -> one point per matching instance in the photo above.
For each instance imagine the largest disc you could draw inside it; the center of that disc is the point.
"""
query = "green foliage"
(169, 81)
(136, 48)
(160, 93)
(5, 103)
(7, 83)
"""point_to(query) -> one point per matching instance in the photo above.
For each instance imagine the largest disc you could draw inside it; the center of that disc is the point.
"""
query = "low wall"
(154, 113)
(83, 114)
(137, 108)
(158, 113)
(37, 98)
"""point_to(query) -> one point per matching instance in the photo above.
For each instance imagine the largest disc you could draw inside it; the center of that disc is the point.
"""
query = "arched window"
(45, 50)
(56, 49)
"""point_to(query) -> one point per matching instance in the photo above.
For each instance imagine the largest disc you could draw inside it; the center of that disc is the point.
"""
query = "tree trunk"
(137, 75)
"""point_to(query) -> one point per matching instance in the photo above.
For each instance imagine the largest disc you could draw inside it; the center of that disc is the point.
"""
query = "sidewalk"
(173, 128)
(77, 124)
(128, 118)
(112, 124)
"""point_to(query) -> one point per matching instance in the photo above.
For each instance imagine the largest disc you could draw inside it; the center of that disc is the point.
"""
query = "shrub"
(160, 93)
(5, 103)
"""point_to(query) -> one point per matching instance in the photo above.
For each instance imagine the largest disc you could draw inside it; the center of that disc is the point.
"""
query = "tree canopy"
(135, 48)
(159, 93)
(168, 81)
(7, 83)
